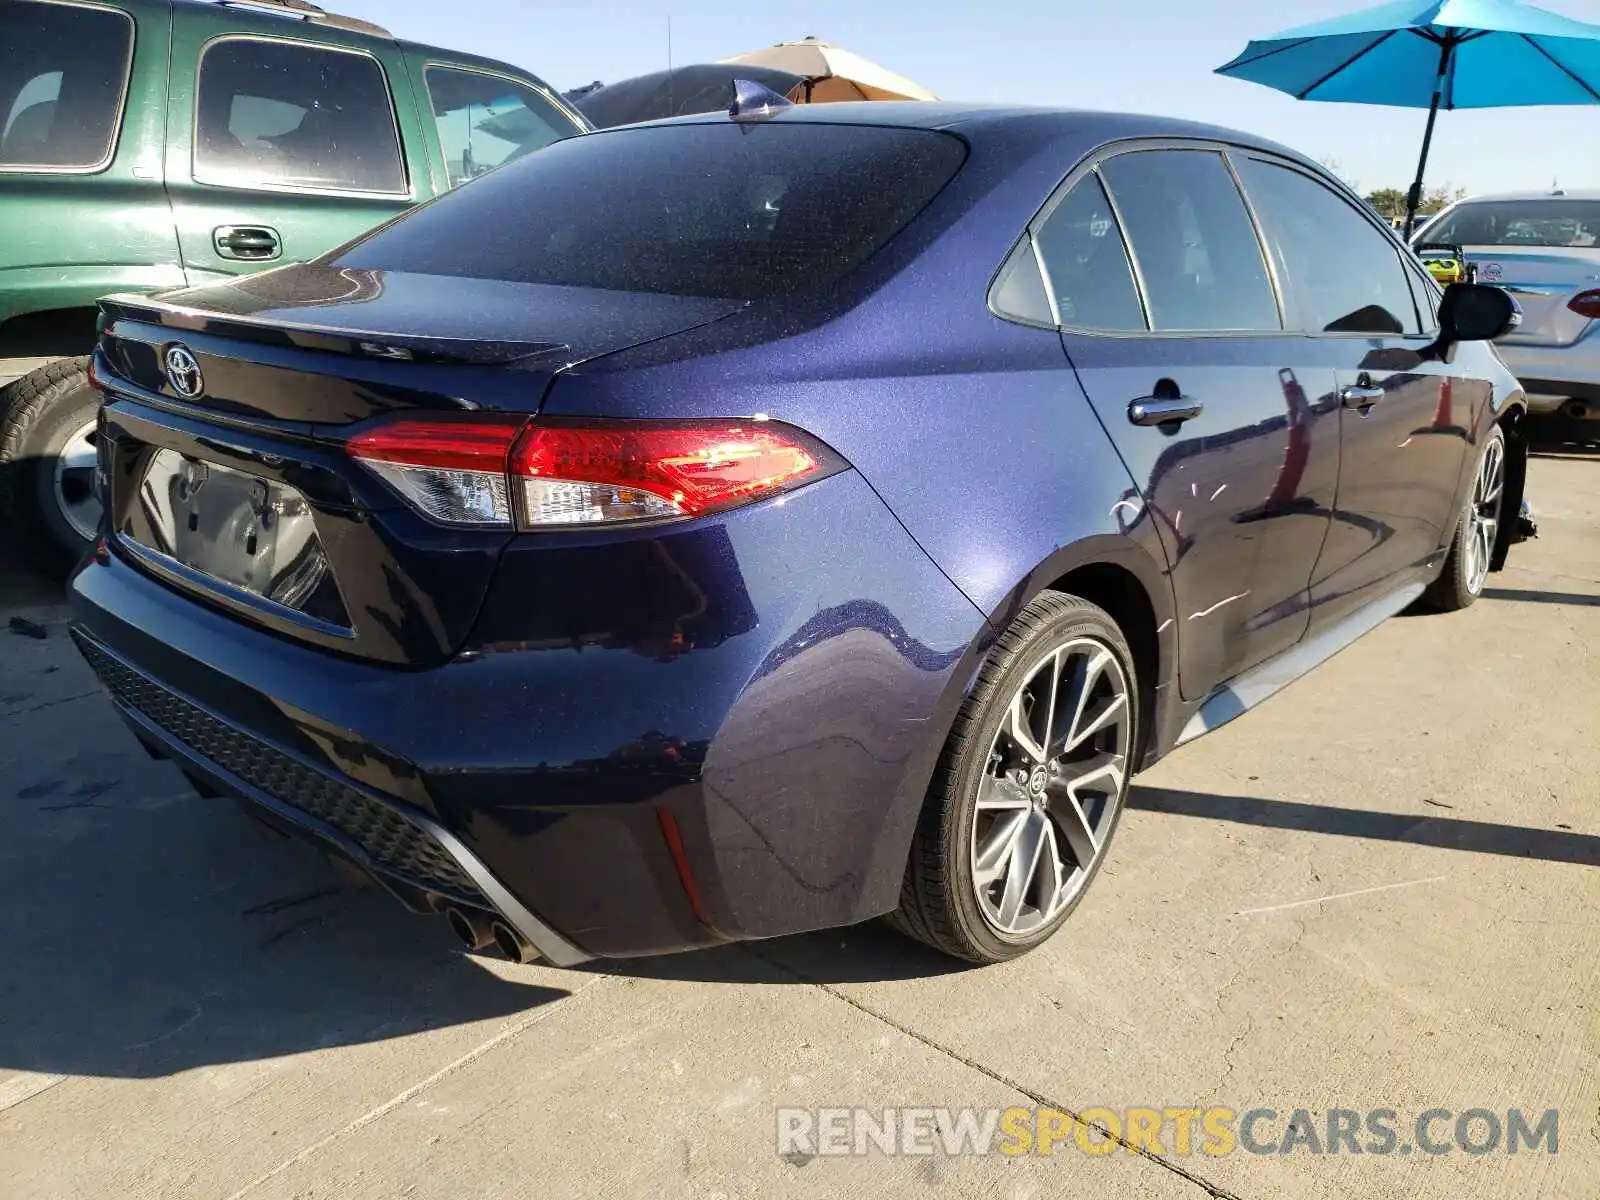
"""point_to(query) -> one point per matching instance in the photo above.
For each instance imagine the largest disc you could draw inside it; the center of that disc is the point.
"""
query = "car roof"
(1562, 194)
(983, 120)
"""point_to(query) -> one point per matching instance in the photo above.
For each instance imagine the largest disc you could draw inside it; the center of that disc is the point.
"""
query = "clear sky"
(1133, 55)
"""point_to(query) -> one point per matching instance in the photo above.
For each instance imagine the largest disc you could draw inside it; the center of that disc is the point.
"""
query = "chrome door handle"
(1360, 396)
(250, 243)
(1163, 410)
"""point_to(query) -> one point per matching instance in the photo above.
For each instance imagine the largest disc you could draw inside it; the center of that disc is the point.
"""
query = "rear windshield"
(1550, 222)
(62, 73)
(723, 210)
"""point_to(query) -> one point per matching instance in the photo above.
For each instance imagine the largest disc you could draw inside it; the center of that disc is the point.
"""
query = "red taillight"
(474, 445)
(1586, 304)
(481, 472)
(577, 474)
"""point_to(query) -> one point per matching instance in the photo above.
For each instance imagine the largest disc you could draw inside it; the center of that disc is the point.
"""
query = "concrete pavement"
(1381, 890)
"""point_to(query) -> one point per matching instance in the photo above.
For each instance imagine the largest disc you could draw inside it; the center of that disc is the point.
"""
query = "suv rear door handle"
(248, 243)
(1360, 396)
(1164, 410)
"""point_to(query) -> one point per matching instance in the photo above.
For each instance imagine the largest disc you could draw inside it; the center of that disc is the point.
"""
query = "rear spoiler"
(334, 339)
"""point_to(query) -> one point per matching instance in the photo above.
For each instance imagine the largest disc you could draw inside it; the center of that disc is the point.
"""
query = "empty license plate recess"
(237, 532)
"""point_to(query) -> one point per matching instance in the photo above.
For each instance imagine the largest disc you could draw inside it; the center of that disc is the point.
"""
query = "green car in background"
(148, 144)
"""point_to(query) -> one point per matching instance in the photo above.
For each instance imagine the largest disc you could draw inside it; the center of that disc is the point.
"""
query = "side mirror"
(1475, 312)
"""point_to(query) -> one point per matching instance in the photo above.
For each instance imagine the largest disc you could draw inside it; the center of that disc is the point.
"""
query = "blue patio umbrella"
(1416, 54)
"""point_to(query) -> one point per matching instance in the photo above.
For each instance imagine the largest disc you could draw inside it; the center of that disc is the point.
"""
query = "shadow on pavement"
(1563, 437)
(148, 937)
(1448, 833)
(869, 953)
(1527, 597)
(20, 585)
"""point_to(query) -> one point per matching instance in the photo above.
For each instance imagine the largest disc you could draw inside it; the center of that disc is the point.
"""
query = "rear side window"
(722, 210)
(1193, 240)
(63, 76)
(287, 115)
(484, 121)
(1087, 262)
(1344, 274)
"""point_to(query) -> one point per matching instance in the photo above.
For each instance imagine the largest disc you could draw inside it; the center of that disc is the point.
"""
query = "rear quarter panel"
(973, 430)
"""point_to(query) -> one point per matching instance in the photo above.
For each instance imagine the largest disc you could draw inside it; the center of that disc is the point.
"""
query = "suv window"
(1193, 240)
(484, 121)
(720, 210)
(63, 74)
(1343, 274)
(1084, 256)
(282, 114)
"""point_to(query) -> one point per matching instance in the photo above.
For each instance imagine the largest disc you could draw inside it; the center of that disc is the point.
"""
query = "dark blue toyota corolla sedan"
(750, 524)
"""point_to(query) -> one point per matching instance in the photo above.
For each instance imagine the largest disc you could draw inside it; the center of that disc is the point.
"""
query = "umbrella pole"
(1414, 196)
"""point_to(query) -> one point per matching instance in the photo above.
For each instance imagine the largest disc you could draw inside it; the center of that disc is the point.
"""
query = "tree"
(1390, 203)
(1439, 198)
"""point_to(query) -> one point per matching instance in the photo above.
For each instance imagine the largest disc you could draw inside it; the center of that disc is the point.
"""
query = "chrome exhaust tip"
(512, 944)
(472, 929)
(1577, 410)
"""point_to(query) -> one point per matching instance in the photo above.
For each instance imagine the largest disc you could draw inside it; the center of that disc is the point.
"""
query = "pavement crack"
(40, 707)
(1233, 1046)
(287, 902)
(411, 1093)
(1216, 1191)
(91, 803)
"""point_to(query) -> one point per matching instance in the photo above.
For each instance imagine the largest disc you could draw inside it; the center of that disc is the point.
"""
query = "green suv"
(149, 144)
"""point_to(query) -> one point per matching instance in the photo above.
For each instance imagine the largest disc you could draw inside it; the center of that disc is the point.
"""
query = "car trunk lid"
(1543, 280)
(308, 344)
(226, 466)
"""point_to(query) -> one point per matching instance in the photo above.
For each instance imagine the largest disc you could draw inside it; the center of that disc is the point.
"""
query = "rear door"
(1405, 423)
(82, 211)
(1169, 306)
(281, 147)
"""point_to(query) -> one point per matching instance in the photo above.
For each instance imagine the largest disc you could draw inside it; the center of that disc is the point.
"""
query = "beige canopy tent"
(834, 73)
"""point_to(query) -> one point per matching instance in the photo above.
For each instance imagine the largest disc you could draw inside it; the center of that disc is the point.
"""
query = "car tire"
(44, 416)
(1466, 566)
(990, 786)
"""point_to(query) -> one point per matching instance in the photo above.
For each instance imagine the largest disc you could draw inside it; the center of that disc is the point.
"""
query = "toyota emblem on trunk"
(183, 372)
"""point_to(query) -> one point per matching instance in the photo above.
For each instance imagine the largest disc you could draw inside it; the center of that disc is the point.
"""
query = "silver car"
(1544, 248)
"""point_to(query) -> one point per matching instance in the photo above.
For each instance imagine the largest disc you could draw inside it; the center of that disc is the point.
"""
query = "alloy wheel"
(74, 483)
(1048, 798)
(1483, 515)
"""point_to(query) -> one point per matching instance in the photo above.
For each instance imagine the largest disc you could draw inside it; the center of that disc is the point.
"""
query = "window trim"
(1091, 163)
(115, 141)
(1363, 211)
(556, 102)
(1122, 236)
(409, 191)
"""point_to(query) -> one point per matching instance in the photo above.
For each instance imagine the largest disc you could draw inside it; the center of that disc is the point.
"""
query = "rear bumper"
(420, 860)
(755, 772)
(1553, 374)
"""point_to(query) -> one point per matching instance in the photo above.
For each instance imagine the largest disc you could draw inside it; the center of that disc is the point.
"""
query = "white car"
(1544, 248)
